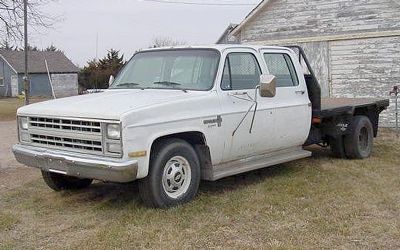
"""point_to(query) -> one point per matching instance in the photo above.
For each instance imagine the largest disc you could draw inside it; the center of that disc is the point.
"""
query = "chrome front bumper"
(77, 165)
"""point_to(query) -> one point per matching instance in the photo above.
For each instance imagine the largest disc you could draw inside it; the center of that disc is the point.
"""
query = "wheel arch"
(196, 139)
(192, 137)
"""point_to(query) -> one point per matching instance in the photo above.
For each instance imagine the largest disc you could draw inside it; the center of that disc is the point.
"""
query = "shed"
(353, 45)
(63, 73)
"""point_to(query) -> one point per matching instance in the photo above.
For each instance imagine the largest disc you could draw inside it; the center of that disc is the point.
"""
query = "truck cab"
(175, 116)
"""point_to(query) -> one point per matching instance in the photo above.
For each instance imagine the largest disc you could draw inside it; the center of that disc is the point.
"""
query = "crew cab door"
(243, 136)
(292, 107)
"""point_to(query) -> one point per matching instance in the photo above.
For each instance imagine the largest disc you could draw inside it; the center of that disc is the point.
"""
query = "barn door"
(14, 86)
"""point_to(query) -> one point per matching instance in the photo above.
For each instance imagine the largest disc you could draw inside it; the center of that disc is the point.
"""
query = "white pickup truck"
(175, 116)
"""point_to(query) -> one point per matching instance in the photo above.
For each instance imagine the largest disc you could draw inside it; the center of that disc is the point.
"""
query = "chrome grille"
(75, 135)
(65, 125)
(55, 141)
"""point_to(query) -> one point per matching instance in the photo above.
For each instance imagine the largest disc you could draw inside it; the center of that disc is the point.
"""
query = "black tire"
(359, 142)
(337, 147)
(59, 182)
(152, 189)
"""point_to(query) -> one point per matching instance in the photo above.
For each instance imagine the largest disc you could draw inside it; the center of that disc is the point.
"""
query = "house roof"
(250, 16)
(57, 61)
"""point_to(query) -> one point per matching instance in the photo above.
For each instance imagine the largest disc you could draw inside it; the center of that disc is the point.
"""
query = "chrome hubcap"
(176, 177)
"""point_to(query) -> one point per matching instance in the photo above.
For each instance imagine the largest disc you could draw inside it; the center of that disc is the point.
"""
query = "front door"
(246, 132)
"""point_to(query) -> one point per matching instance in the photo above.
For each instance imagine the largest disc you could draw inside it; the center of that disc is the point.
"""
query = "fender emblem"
(217, 121)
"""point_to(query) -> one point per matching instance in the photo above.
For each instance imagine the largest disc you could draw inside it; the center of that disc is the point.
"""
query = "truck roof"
(219, 47)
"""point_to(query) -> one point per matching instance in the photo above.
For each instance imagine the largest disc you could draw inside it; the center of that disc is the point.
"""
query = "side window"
(241, 71)
(281, 66)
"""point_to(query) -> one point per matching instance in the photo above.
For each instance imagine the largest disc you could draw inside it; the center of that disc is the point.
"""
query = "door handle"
(239, 93)
(300, 92)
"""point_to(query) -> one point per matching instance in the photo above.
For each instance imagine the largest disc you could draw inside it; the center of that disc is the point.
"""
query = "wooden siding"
(318, 55)
(366, 68)
(283, 19)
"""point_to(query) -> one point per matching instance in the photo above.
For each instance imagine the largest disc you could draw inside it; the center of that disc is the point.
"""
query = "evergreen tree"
(53, 49)
(96, 74)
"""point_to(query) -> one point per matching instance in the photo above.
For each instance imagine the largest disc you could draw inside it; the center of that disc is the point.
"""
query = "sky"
(130, 25)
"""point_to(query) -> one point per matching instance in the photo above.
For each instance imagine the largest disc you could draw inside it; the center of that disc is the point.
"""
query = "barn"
(353, 45)
(63, 73)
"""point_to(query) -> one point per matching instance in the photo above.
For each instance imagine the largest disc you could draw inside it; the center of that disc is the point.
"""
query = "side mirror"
(267, 85)
(111, 80)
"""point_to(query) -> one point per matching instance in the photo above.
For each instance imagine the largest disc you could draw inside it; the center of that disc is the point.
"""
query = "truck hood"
(107, 105)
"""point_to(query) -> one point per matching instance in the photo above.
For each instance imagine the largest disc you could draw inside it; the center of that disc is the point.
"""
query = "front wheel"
(174, 175)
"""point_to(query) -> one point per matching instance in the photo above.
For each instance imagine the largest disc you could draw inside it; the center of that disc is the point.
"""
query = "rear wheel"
(174, 175)
(59, 182)
(359, 143)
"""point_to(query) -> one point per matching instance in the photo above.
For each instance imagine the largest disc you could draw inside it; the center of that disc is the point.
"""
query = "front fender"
(141, 139)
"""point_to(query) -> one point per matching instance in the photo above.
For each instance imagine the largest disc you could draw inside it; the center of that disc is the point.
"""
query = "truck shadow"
(120, 194)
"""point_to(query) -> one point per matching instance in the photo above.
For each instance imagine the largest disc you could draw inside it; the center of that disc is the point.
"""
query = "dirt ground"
(12, 174)
(315, 203)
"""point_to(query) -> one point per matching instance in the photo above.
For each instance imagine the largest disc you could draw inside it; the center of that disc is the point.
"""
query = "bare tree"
(12, 22)
(165, 42)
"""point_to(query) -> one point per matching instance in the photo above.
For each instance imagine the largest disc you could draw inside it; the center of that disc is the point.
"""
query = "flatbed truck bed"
(331, 107)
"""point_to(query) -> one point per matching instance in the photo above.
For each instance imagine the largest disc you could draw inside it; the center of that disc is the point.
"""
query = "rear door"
(292, 107)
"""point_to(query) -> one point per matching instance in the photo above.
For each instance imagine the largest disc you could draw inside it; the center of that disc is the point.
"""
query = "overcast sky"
(129, 25)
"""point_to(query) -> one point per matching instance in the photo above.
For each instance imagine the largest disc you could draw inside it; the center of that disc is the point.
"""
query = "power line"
(204, 4)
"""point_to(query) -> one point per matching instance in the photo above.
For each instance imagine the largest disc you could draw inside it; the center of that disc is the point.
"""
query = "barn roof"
(227, 31)
(57, 61)
(250, 16)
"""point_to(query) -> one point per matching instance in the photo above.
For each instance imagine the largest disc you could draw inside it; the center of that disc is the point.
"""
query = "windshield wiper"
(166, 83)
(127, 84)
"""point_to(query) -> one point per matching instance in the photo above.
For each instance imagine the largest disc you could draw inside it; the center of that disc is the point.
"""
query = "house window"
(241, 71)
(281, 66)
(1, 80)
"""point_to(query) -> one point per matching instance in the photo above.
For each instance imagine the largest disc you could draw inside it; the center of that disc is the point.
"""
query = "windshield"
(189, 69)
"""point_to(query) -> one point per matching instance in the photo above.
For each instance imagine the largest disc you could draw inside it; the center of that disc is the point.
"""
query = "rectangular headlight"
(23, 123)
(114, 131)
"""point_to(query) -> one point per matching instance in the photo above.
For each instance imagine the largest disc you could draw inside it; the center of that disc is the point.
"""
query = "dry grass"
(309, 204)
(9, 106)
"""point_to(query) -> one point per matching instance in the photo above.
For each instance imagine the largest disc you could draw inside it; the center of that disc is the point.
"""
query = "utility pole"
(26, 79)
